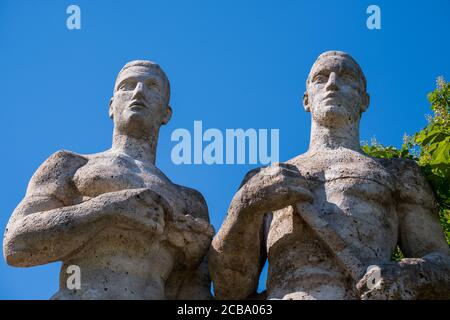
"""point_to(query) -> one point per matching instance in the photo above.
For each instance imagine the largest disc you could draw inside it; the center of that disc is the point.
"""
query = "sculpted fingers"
(288, 188)
(142, 209)
(286, 180)
(274, 188)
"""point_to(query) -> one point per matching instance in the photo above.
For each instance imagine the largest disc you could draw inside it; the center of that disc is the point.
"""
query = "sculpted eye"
(350, 77)
(153, 85)
(320, 78)
(127, 85)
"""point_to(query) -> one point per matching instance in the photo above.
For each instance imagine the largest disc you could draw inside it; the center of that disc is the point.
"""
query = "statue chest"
(104, 174)
(353, 183)
(333, 178)
(355, 196)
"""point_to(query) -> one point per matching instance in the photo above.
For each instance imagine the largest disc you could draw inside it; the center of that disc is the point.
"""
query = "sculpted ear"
(111, 109)
(366, 102)
(168, 115)
(306, 102)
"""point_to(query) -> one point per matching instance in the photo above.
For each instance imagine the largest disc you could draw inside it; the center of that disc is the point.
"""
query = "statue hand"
(273, 188)
(142, 209)
(388, 281)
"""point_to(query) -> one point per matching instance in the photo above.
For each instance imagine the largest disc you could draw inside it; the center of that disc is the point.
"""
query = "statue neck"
(331, 138)
(138, 148)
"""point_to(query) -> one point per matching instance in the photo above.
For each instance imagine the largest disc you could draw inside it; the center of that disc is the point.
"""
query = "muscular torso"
(119, 261)
(354, 194)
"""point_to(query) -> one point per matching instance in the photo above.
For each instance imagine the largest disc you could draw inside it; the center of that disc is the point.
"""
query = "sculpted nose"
(138, 92)
(331, 84)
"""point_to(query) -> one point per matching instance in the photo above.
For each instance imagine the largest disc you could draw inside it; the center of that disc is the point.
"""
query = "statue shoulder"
(402, 169)
(411, 184)
(54, 176)
(195, 202)
(307, 162)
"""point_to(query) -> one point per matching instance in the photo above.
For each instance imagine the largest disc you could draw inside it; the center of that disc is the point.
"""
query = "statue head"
(336, 90)
(140, 103)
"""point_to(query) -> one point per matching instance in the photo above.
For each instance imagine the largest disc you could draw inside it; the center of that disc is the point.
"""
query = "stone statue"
(322, 218)
(132, 232)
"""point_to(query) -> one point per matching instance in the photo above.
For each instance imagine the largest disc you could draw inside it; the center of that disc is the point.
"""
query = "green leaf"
(441, 154)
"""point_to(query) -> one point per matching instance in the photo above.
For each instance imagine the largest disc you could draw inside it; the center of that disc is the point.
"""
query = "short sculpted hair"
(149, 65)
(331, 54)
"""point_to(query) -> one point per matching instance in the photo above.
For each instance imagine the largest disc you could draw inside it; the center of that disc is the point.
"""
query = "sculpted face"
(140, 104)
(335, 90)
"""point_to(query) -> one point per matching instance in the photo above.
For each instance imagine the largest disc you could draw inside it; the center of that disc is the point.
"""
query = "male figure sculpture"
(132, 232)
(325, 216)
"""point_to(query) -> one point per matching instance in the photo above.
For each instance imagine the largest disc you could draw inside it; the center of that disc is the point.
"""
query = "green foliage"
(397, 255)
(434, 143)
(377, 150)
(430, 148)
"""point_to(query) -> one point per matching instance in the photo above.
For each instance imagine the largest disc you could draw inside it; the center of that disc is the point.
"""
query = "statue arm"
(50, 223)
(43, 230)
(189, 284)
(235, 253)
(238, 251)
(421, 237)
(46, 225)
(425, 272)
(191, 233)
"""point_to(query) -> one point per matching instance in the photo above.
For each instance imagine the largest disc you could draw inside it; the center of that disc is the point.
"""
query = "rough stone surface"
(322, 218)
(133, 233)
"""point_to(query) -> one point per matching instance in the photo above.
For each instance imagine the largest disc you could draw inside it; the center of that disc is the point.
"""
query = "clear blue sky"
(231, 64)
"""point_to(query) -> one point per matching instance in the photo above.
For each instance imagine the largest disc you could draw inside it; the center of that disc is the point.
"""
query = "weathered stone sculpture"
(132, 232)
(325, 216)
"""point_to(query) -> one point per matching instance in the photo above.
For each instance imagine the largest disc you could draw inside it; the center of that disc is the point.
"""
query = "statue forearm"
(235, 275)
(411, 278)
(47, 236)
(235, 253)
(429, 276)
(230, 284)
(241, 226)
